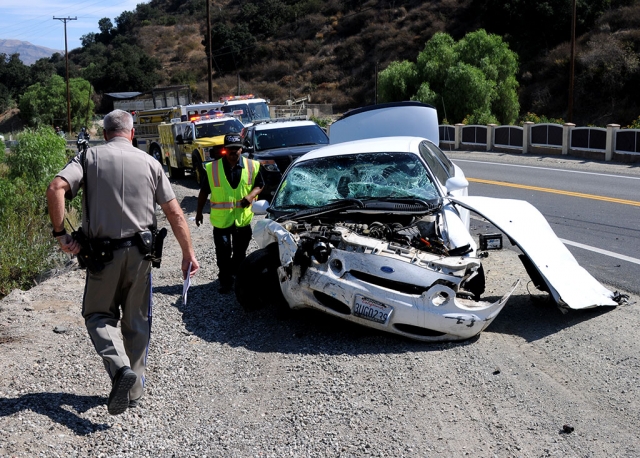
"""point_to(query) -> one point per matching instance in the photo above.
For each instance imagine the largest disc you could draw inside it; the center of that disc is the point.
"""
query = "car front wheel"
(198, 168)
(257, 284)
(156, 153)
(175, 173)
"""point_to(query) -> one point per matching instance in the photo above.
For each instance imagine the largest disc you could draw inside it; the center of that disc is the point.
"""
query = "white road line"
(604, 252)
(585, 247)
(548, 168)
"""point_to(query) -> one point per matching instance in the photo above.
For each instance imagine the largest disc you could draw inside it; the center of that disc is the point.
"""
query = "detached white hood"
(569, 283)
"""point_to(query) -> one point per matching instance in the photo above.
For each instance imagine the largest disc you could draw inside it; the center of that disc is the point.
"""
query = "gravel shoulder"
(225, 383)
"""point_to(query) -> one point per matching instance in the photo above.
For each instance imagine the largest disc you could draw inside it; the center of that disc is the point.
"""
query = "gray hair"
(118, 121)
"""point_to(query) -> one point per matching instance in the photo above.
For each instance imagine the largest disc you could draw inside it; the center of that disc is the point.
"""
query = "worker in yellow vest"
(233, 183)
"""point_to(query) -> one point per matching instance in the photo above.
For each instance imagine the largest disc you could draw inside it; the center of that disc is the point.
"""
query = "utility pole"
(375, 102)
(573, 62)
(210, 51)
(66, 56)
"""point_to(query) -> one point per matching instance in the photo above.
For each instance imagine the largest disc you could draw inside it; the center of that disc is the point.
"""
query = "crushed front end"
(400, 279)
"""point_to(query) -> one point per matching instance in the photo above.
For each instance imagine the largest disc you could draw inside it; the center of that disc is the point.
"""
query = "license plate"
(372, 310)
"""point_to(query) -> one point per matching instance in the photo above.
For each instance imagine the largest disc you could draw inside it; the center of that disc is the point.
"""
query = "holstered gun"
(87, 258)
(152, 247)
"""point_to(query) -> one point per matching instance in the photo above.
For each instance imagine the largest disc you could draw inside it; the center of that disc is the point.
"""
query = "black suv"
(276, 144)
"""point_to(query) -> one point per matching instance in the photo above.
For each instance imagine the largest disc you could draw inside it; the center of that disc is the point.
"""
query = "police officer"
(233, 182)
(122, 185)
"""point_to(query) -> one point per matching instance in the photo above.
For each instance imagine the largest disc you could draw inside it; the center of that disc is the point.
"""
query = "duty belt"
(123, 243)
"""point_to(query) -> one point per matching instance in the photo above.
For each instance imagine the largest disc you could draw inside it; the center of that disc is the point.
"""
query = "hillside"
(331, 50)
(29, 53)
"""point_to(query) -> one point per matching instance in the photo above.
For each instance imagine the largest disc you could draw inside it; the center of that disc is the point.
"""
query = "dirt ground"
(222, 382)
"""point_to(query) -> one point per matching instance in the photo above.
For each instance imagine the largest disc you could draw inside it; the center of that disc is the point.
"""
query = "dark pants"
(231, 249)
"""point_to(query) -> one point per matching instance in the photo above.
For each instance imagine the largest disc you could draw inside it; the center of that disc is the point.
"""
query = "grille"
(332, 303)
(401, 287)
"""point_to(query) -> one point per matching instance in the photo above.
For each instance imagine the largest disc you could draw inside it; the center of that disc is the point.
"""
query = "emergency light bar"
(211, 115)
(229, 98)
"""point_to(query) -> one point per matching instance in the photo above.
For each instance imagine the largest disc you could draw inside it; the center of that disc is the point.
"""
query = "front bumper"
(418, 296)
(434, 315)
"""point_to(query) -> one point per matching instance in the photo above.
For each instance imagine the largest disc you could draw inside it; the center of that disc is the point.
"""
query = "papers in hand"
(185, 286)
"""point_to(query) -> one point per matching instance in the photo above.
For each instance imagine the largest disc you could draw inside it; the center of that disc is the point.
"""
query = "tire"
(174, 172)
(258, 284)
(198, 168)
(156, 153)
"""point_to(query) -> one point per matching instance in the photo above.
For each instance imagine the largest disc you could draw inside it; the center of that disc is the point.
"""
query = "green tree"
(46, 103)
(5, 98)
(37, 156)
(471, 79)
(41, 70)
(467, 91)
(119, 66)
(14, 78)
(397, 81)
(232, 46)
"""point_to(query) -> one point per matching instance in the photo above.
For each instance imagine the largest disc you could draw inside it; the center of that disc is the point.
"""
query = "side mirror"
(259, 207)
(455, 184)
(179, 139)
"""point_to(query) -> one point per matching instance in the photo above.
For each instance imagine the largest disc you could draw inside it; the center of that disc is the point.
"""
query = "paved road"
(593, 207)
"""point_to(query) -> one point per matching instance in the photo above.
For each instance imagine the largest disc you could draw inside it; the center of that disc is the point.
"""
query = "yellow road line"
(557, 191)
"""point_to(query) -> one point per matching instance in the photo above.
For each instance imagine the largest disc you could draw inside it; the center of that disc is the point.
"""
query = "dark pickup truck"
(276, 144)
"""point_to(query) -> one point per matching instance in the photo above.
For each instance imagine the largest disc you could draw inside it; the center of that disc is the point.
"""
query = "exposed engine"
(422, 234)
(418, 243)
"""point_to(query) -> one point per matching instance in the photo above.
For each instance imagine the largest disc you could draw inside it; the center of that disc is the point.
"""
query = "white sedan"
(371, 231)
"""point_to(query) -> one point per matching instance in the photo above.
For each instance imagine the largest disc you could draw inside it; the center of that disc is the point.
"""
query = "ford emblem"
(387, 269)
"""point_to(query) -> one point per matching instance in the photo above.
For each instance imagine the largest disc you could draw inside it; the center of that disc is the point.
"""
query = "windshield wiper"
(337, 205)
(305, 144)
(430, 204)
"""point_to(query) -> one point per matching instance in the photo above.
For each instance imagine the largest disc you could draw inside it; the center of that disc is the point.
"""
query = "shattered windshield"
(217, 128)
(356, 176)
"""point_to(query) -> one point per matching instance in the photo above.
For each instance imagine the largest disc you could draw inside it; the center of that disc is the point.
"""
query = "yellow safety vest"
(226, 208)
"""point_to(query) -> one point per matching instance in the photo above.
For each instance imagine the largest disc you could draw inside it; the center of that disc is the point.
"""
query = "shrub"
(635, 124)
(26, 245)
(38, 155)
(322, 122)
(534, 118)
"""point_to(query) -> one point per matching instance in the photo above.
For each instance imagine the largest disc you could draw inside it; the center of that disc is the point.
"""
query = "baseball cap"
(232, 141)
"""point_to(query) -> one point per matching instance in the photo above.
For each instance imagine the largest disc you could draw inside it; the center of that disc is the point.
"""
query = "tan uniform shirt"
(124, 184)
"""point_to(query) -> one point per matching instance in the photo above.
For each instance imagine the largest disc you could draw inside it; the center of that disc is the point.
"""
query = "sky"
(32, 20)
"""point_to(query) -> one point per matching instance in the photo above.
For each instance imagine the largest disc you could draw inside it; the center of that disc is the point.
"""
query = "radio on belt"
(490, 241)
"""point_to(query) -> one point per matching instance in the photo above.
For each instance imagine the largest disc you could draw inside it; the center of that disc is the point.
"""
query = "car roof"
(216, 119)
(372, 145)
(282, 124)
(243, 101)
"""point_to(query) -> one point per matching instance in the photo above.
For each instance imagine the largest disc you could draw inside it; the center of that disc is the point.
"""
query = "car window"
(320, 181)
(247, 137)
(249, 112)
(287, 137)
(187, 133)
(439, 164)
(215, 129)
